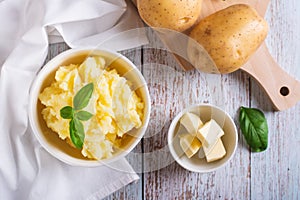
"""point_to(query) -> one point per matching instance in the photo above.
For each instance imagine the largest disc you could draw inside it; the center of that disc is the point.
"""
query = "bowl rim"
(49, 67)
(175, 121)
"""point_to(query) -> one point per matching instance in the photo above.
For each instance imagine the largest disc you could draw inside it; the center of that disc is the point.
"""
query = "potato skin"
(230, 36)
(177, 15)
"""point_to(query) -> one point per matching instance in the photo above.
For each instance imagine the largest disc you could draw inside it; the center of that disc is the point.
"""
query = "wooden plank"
(253, 67)
(171, 90)
(275, 173)
(55, 49)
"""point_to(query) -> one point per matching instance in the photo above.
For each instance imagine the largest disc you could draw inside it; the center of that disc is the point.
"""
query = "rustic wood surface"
(273, 174)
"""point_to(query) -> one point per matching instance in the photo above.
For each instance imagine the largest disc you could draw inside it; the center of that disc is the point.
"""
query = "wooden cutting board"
(283, 90)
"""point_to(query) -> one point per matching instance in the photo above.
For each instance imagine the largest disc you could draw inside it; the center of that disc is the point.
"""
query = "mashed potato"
(115, 107)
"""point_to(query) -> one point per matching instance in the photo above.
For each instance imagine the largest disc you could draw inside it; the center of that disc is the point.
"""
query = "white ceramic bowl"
(50, 140)
(229, 139)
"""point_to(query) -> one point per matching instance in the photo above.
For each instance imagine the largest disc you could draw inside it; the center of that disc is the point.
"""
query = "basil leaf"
(80, 100)
(76, 132)
(83, 115)
(254, 128)
(83, 96)
(67, 112)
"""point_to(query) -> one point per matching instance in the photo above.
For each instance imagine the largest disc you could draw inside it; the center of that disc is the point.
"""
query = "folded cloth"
(27, 171)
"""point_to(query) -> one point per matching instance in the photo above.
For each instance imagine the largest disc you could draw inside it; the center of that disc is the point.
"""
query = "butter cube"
(210, 133)
(189, 144)
(191, 122)
(208, 149)
(217, 152)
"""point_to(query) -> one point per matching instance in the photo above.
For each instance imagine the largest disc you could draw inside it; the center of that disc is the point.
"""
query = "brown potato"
(177, 15)
(230, 36)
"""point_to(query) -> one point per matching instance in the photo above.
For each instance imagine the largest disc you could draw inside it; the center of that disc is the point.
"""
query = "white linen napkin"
(27, 171)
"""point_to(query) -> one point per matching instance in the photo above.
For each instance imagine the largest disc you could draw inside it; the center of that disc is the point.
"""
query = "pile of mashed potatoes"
(115, 107)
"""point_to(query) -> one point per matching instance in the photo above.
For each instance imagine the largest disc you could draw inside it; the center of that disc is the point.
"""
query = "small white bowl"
(229, 139)
(50, 140)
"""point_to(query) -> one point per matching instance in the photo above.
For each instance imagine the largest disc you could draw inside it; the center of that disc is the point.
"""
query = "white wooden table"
(273, 174)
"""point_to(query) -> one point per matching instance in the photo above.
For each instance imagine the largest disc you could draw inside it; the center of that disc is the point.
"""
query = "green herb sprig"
(254, 128)
(77, 115)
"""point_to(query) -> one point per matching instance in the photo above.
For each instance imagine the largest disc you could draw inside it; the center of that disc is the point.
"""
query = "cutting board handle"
(283, 89)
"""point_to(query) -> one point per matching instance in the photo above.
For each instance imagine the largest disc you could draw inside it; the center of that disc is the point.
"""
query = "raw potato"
(177, 15)
(230, 36)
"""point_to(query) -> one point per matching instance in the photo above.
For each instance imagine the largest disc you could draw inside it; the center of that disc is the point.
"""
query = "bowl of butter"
(202, 138)
(89, 107)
